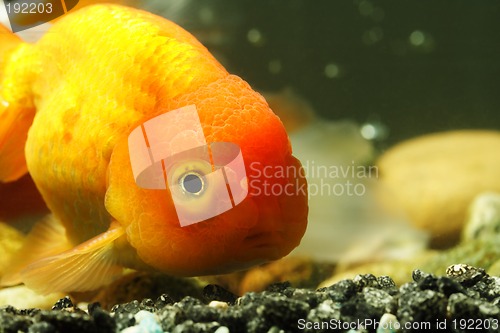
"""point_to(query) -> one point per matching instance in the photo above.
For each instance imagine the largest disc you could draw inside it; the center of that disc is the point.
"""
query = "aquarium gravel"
(467, 299)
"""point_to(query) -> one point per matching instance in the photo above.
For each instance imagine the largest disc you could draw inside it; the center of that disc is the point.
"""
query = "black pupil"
(192, 184)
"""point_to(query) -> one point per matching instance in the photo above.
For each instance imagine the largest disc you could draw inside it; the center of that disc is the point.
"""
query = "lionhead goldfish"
(68, 105)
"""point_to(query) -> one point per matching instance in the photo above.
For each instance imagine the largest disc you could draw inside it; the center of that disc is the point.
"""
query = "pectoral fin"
(14, 125)
(87, 266)
(16, 109)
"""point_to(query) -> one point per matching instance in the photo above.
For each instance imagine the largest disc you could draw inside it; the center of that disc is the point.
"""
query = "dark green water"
(418, 66)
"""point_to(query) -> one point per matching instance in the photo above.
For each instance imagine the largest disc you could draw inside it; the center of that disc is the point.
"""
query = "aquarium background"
(405, 67)
(416, 66)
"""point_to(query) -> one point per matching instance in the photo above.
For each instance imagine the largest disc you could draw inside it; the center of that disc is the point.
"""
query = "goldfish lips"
(282, 215)
(265, 245)
(263, 239)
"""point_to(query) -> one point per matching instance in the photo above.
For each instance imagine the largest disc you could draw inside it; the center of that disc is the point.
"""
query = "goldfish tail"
(47, 238)
(16, 108)
(11, 241)
(48, 262)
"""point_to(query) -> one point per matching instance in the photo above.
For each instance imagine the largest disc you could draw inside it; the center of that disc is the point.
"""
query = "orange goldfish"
(68, 105)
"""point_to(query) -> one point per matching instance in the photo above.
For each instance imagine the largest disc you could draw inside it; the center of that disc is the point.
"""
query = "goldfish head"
(268, 206)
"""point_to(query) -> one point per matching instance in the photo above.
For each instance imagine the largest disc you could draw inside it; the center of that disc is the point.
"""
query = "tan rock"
(483, 217)
(22, 297)
(399, 270)
(301, 272)
(435, 177)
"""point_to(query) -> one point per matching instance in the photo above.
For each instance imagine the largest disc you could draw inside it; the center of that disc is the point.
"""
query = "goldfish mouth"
(263, 239)
(260, 247)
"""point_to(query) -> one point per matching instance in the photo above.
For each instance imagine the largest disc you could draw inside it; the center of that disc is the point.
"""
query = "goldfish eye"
(188, 180)
(192, 183)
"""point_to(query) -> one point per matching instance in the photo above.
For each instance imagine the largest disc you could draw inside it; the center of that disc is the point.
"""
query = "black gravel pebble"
(213, 292)
(454, 303)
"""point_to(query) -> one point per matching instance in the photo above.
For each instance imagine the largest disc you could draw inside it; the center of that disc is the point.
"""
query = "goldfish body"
(68, 104)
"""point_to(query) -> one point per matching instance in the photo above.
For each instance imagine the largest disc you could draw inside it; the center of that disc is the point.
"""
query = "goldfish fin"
(16, 114)
(47, 238)
(14, 126)
(88, 266)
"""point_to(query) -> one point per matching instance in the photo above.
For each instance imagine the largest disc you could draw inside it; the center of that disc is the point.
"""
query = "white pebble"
(388, 324)
(218, 305)
(222, 329)
(147, 322)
